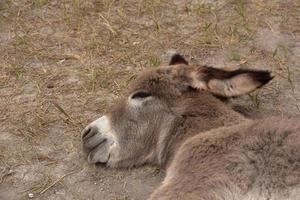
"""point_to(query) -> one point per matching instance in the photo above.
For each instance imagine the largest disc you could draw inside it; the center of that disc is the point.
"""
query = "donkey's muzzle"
(97, 140)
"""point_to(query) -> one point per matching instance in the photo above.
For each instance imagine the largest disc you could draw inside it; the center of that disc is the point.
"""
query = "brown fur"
(254, 160)
(170, 117)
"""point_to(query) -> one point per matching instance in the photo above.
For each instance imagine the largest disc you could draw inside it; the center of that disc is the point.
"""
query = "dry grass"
(62, 63)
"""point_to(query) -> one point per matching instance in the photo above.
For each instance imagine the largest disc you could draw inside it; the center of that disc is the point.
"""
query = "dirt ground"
(63, 62)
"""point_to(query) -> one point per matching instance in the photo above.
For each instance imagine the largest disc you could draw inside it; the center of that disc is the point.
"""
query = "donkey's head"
(131, 133)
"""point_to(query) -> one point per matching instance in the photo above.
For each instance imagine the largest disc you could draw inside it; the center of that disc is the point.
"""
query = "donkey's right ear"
(177, 59)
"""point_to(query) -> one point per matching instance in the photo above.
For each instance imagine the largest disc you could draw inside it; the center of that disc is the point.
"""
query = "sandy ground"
(63, 62)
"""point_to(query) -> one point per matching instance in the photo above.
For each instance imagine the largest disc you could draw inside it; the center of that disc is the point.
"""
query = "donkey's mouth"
(96, 145)
(101, 153)
(92, 142)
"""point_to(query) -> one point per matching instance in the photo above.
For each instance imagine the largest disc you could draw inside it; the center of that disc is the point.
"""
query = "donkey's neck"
(195, 119)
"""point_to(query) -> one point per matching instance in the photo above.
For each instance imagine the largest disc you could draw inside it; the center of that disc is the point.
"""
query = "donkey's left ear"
(228, 83)
(177, 59)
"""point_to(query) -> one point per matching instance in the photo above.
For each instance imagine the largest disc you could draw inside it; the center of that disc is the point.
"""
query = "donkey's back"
(257, 160)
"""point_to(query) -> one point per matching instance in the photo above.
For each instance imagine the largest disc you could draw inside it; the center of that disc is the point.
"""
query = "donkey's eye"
(140, 94)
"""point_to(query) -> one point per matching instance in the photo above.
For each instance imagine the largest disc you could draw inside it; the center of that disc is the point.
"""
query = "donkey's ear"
(177, 59)
(229, 83)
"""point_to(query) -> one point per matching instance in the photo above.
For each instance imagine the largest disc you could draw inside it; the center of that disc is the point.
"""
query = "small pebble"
(30, 195)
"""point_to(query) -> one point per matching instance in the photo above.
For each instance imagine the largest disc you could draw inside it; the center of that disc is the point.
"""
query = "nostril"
(87, 132)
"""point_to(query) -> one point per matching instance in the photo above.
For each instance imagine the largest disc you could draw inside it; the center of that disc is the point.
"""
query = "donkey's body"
(170, 117)
(256, 160)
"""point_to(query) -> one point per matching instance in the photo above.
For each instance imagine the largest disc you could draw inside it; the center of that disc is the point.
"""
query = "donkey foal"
(172, 116)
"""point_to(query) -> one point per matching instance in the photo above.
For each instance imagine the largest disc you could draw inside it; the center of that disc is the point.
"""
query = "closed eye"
(141, 94)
